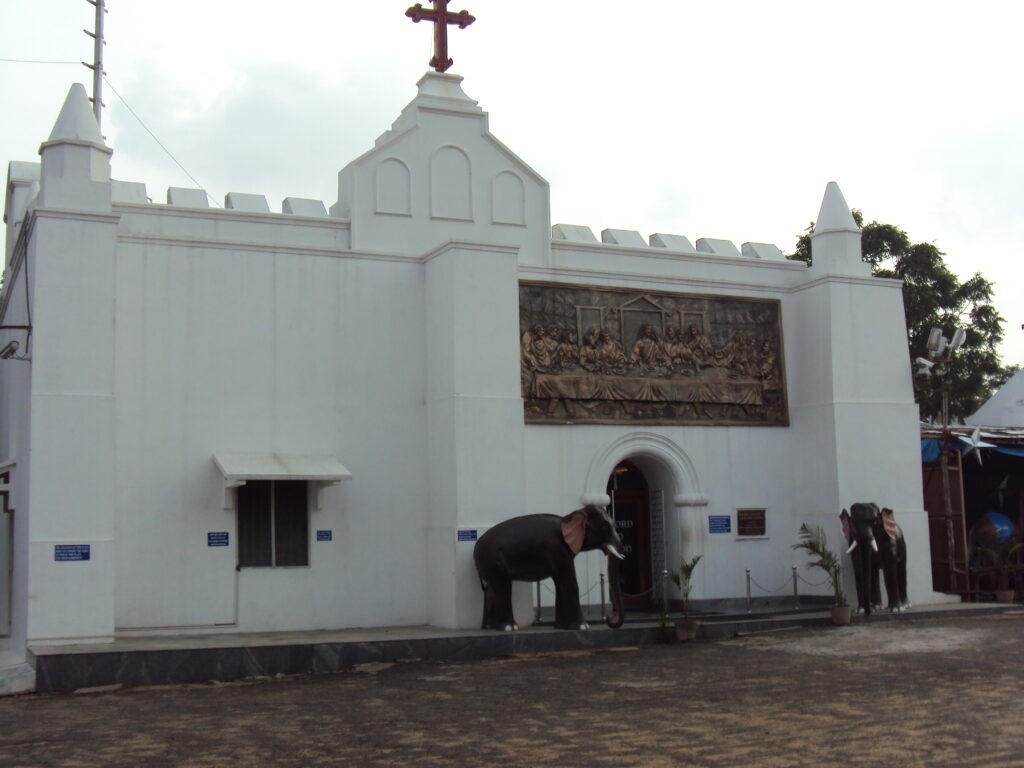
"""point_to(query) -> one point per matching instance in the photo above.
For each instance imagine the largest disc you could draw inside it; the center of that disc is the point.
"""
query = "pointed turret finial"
(834, 215)
(835, 244)
(75, 168)
(76, 121)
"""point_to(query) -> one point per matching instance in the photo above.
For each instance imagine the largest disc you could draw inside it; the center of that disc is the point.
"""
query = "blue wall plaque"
(216, 538)
(68, 553)
(719, 524)
(325, 535)
(467, 535)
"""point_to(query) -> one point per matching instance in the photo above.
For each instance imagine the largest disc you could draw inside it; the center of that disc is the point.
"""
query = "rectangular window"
(273, 523)
(750, 522)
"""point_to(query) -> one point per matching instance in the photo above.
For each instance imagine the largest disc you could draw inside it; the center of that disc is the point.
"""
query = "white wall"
(286, 348)
(15, 404)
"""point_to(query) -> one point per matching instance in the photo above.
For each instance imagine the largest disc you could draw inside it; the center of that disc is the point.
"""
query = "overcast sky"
(721, 119)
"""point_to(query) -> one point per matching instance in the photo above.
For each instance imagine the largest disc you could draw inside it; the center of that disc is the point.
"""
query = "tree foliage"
(933, 296)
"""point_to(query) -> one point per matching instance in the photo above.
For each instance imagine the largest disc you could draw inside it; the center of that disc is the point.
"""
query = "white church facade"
(238, 419)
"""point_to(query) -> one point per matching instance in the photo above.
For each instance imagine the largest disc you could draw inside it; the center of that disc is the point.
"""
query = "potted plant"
(1003, 557)
(813, 542)
(682, 576)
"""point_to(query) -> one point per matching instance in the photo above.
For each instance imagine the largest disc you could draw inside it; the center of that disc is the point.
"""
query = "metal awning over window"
(319, 469)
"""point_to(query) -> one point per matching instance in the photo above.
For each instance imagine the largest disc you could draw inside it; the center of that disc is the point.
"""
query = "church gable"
(440, 168)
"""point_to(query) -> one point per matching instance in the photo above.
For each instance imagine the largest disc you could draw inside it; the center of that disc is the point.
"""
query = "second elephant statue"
(536, 547)
(875, 543)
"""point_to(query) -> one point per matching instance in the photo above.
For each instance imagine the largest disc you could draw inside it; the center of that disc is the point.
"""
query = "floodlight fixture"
(924, 368)
(959, 337)
(9, 350)
(934, 341)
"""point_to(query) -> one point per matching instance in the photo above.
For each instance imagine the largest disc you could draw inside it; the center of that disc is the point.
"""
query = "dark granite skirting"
(56, 673)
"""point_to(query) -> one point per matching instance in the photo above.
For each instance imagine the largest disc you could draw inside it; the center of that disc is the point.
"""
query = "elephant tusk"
(874, 544)
(852, 547)
(610, 550)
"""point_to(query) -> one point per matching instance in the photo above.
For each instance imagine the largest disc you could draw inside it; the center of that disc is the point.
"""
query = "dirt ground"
(947, 692)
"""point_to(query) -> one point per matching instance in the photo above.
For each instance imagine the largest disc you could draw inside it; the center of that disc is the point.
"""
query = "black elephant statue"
(875, 543)
(536, 547)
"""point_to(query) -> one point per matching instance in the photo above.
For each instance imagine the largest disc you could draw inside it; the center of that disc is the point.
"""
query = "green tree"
(933, 296)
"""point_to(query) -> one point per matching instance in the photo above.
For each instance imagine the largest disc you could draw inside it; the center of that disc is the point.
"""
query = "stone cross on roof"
(441, 17)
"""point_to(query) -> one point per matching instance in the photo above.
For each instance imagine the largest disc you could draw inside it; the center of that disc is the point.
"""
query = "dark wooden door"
(631, 508)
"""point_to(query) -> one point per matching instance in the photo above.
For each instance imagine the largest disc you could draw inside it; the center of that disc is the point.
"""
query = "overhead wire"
(164, 148)
(37, 61)
(133, 114)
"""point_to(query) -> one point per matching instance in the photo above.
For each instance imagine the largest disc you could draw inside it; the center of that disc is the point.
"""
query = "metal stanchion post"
(536, 618)
(796, 594)
(749, 608)
(603, 615)
(664, 592)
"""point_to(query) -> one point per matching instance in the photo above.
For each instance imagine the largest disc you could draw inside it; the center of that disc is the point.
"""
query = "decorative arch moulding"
(648, 445)
(596, 355)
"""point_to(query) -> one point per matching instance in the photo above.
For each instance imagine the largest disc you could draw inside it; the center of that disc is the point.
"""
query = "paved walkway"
(935, 692)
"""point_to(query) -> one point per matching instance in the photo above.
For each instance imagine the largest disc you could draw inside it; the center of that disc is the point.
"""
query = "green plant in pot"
(1003, 558)
(814, 543)
(683, 578)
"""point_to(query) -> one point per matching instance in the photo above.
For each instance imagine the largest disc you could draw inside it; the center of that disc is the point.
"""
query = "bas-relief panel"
(593, 355)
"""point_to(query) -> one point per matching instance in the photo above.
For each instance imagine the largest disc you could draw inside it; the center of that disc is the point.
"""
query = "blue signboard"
(68, 553)
(467, 535)
(325, 535)
(216, 538)
(719, 524)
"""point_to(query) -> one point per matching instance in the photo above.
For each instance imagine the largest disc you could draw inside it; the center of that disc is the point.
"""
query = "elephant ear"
(889, 523)
(844, 518)
(574, 526)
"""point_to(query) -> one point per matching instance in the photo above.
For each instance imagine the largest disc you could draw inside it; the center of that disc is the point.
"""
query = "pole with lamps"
(940, 353)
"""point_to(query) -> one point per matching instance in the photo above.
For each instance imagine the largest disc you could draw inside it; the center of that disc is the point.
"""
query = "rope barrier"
(810, 583)
(639, 594)
(770, 591)
(592, 588)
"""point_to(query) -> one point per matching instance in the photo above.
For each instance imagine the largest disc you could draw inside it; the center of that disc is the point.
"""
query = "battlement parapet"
(242, 201)
(629, 238)
(134, 193)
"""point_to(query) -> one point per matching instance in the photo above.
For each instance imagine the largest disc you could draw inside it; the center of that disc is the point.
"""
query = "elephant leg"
(876, 583)
(568, 613)
(891, 589)
(858, 578)
(488, 622)
(867, 588)
(901, 583)
(901, 571)
(501, 605)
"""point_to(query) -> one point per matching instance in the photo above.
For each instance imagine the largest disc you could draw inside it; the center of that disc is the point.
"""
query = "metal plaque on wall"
(592, 355)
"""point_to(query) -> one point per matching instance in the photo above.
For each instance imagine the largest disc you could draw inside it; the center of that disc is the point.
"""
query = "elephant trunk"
(618, 613)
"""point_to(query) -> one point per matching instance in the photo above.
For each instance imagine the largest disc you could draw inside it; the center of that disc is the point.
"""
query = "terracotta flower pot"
(842, 615)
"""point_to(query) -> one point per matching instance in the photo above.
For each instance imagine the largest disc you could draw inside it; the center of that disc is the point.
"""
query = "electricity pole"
(97, 59)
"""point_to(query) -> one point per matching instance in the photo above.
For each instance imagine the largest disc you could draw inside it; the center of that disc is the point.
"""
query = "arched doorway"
(631, 508)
